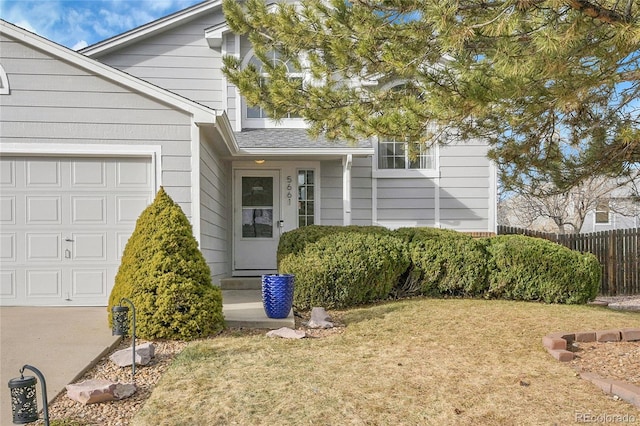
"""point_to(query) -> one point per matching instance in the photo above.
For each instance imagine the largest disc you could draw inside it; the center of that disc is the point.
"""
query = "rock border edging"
(556, 345)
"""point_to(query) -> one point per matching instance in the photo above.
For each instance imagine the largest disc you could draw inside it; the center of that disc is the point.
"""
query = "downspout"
(346, 189)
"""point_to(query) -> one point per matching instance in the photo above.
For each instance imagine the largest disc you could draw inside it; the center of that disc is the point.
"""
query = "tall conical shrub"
(166, 277)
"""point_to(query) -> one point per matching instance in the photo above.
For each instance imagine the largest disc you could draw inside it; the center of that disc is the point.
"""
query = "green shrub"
(423, 232)
(447, 262)
(296, 240)
(346, 269)
(526, 268)
(166, 277)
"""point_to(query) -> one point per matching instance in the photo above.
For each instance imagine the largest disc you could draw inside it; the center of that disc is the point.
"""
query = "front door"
(256, 220)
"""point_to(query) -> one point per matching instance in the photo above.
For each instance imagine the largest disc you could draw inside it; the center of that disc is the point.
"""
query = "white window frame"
(316, 194)
(268, 123)
(600, 210)
(407, 172)
(4, 82)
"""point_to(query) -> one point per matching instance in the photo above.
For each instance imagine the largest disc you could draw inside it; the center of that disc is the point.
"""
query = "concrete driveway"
(61, 342)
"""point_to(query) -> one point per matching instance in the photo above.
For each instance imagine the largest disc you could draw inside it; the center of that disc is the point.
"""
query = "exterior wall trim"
(103, 150)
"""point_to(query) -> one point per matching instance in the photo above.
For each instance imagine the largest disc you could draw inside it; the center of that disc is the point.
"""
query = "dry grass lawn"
(414, 362)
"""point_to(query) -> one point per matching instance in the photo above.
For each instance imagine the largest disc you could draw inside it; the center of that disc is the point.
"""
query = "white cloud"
(80, 45)
(73, 22)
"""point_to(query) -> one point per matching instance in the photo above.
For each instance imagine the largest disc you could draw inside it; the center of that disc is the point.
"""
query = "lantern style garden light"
(120, 320)
(24, 405)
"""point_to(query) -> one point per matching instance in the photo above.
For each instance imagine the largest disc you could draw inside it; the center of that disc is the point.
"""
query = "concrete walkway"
(63, 342)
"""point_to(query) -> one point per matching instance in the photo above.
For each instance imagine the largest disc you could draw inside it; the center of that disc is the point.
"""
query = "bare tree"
(547, 209)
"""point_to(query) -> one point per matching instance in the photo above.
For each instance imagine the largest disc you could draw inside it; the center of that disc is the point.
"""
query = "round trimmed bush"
(345, 269)
(527, 268)
(166, 277)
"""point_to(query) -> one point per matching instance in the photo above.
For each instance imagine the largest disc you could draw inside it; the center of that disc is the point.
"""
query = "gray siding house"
(87, 138)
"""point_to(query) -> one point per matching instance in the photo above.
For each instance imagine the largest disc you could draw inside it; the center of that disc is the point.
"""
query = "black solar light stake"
(120, 320)
(24, 405)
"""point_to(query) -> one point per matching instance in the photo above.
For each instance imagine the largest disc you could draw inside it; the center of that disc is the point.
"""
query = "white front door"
(256, 220)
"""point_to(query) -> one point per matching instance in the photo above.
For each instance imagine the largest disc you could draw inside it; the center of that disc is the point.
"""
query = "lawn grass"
(413, 362)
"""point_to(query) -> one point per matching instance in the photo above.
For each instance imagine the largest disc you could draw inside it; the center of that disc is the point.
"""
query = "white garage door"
(64, 224)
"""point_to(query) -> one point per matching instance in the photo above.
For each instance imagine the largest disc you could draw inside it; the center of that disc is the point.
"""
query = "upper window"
(397, 155)
(293, 74)
(602, 212)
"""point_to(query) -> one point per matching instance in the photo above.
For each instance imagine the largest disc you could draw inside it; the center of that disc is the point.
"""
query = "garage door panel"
(90, 246)
(131, 173)
(89, 283)
(44, 210)
(43, 247)
(122, 238)
(88, 173)
(88, 210)
(7, 173)
(8, 284)
(7, 247)
(44, 283)
(43, 173)
(7, 210)
(129, 208)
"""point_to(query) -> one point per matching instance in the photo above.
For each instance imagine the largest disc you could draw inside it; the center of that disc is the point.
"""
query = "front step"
(244, 309)
(242, 305)
(241, 283)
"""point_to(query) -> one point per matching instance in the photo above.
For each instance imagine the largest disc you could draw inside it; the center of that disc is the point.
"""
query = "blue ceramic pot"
(277, 295)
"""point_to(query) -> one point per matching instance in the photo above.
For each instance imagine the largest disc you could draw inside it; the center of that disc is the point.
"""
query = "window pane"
(254, 112)
(602, 213)
(257, 223)
(391, 155)
(257, 191)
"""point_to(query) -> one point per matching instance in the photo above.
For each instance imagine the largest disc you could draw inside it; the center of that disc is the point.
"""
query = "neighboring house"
(620, 211)
(87, 138)
(600, 204)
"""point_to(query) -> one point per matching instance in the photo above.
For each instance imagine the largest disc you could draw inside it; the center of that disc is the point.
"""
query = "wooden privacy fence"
(618, 251)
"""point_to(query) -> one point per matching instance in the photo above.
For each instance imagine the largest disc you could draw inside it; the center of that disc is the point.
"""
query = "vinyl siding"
(331, 193)
(54, 102)
(459, 198)
(179, 60)
(406, 202)
(361, 191)
(465, 184)
(215, 211)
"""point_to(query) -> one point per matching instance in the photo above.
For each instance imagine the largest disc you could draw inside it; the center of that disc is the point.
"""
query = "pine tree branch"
(600, 13)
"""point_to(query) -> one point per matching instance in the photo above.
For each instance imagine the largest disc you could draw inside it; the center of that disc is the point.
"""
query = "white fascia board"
(150, 29)
(224, 127)
(307, 151)
(200, 112)
(214, 35)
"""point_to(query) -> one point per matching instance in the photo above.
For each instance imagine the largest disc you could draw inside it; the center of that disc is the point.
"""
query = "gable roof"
(154, 27)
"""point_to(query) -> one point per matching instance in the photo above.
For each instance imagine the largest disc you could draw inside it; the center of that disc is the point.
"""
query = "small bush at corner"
(345, 269)
(526, 268)
(166, 277)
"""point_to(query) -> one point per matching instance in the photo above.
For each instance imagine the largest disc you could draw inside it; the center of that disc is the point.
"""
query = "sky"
(80, 23)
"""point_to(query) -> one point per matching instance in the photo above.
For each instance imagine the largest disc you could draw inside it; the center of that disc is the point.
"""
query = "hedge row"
(338, 267)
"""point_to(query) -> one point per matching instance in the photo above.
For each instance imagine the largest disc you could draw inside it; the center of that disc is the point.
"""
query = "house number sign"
(289, 188)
